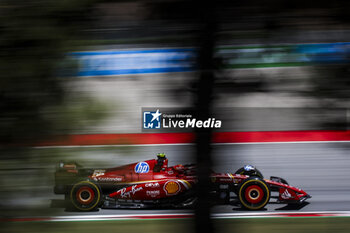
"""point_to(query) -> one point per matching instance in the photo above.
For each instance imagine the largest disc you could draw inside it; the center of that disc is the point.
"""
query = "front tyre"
(85, 196)
(254, 193)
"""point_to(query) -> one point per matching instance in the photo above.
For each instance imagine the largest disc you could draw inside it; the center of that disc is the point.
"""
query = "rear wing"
(67, 173)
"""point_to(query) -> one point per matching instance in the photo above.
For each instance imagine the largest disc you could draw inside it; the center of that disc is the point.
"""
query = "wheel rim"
(85, 195)
(254, 194)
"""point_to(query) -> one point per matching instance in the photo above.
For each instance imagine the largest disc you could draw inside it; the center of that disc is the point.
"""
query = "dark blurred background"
(80, 67)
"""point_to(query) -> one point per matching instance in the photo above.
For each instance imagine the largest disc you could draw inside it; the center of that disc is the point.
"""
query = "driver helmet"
(251, 171)
(249, 168)
(161, 155)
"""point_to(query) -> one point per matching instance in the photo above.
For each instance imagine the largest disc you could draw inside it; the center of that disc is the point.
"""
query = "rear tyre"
(254, 194)
(85, 196)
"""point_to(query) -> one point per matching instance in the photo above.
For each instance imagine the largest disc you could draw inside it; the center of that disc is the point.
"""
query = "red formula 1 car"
(152, 183)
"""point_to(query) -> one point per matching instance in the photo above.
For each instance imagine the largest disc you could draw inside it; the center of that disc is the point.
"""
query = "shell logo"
(172, 187)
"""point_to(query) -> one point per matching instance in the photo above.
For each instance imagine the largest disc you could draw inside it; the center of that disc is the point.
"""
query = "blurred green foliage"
(34, 39)
(37, 98)
(264, 225)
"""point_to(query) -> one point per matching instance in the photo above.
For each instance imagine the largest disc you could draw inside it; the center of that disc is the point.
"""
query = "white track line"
(190, 144)
(182, 216)
(214, 216)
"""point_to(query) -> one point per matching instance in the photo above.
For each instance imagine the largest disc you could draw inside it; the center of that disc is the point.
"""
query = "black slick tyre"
(85, 196)
(254, 193)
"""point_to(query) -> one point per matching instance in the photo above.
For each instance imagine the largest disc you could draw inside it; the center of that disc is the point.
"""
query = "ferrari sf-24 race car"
(152, 184)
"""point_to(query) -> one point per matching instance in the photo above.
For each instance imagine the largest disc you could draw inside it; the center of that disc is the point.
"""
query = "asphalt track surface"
(320, 168)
